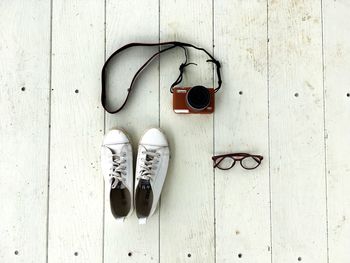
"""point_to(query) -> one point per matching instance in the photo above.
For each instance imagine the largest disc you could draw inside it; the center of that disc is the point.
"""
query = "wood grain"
(242, 197)
(132, 21)
(24, 107)
(187, 205)
(297, 132)
(76, 184)
(337, 98)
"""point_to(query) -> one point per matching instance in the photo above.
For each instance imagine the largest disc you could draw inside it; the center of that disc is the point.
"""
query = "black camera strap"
(168, 46)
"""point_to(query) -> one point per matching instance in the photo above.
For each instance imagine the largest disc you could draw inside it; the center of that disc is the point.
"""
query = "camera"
(197, 99)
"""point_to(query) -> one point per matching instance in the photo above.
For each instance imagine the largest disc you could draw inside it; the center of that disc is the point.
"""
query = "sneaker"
(116, 164)
(151, 168)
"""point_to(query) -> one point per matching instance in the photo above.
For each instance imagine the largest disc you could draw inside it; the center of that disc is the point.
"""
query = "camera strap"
(168, 46)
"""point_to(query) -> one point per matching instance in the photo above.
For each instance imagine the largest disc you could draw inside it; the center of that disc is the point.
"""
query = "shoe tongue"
(144, 184)
(145, 189)
(119, 185)
(150, 157)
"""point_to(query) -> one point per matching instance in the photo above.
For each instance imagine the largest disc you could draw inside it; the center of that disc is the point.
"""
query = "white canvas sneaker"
(116, 164)
(151, 169)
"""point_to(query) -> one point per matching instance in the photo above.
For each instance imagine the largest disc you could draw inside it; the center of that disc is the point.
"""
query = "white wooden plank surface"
(337, 98)
(76, 185)
(132, 21)
(241, 125)
(81, 228)
(296, 132)
(187, 205)
(24, 64)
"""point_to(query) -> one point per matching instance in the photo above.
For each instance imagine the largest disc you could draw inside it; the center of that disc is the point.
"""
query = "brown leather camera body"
(197, 99)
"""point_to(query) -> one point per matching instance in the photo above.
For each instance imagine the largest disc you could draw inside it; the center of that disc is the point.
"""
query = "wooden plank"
(24, 108)
(241, 125)
(187, 205)
(297, 132)
(76, 184)
(131, 242)
(337, 98)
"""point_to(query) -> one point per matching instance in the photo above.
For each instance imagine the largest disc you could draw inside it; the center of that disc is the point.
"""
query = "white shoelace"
(148, 164)
(117, 171)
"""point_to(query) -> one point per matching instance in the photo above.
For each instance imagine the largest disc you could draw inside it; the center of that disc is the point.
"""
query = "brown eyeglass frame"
(236, 157)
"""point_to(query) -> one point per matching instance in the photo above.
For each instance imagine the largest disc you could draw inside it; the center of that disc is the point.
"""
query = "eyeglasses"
(227, 161)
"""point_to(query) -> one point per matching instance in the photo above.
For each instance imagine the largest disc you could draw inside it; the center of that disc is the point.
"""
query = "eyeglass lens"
(250, 162)
(225, 163)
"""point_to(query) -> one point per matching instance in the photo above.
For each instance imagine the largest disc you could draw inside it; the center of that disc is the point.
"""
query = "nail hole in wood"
(129, 254)
(296, 94)
(76, 91)
(189, 255)
(240, 93)
(76, 254)
(240, 255)
(299, 258)
(16, 252)
(23, 88)
(347, 94)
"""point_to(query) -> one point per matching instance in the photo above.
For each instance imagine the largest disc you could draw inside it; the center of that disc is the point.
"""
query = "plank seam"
(214, 186)
(104, 132)
(49, 138)
(268, 119)
(160, 199)
(324, 130)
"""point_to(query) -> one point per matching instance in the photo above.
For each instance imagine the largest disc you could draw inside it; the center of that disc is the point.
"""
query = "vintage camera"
(197, 99)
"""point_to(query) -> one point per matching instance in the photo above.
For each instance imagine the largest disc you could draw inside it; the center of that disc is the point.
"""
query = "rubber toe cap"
(115, 137)
(154, 137)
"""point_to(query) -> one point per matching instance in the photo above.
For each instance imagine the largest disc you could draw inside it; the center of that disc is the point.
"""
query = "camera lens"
(198, 98)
